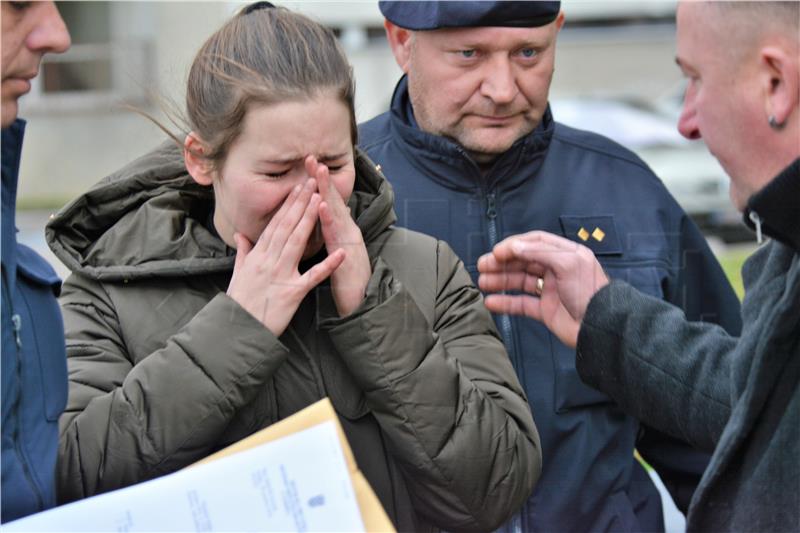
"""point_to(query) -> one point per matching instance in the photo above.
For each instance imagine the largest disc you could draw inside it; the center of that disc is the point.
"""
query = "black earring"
(773, 123)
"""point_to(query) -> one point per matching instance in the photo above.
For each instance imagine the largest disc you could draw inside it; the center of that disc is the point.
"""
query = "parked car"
(690, 173)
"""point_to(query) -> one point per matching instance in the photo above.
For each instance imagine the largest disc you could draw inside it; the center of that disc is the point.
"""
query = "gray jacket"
(738, 397)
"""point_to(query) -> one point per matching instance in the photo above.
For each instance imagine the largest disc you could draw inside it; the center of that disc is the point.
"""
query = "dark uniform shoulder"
(599, 144)
(609, 166)
(374, 132)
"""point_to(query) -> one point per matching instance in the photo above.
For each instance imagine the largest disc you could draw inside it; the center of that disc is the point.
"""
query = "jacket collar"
(776, 207)
(101, 234)
(431, 150)
(11, 151)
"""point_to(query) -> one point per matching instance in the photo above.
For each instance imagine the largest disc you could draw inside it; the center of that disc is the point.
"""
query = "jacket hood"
(776, 208)
(151, 219)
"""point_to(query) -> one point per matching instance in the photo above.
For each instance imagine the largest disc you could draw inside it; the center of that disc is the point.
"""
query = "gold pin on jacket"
(597, 232)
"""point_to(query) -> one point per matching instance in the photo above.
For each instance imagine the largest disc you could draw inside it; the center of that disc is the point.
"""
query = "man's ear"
(560, 20)
(198, 166)
(782, 79)
(400, 41)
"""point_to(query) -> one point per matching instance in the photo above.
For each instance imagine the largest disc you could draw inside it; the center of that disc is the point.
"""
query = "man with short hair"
(34, 369)
(736, 396)
(474, 154)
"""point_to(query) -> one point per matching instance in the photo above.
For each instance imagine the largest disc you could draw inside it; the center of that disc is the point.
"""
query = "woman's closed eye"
(274, 175)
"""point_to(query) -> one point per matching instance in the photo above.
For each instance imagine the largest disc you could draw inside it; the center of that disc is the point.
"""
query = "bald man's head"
(769, 17)
(742, 65)
(748, 26)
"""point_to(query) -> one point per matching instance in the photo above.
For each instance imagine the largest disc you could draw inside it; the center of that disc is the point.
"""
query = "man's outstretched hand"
(556, 278)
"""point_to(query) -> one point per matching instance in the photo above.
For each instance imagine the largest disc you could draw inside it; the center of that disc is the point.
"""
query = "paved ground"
(674, 522)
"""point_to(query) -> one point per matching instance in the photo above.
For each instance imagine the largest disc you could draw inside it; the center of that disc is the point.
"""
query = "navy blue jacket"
(593, 191)
(34, 364)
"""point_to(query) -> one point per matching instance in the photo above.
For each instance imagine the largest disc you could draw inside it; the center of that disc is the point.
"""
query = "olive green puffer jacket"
(165, 368)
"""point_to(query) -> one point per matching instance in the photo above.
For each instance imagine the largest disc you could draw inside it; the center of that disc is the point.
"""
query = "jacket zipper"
(505, 320)
(518, 522)
(16, 321)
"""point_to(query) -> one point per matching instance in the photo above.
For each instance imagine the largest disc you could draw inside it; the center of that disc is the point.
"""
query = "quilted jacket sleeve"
(127, 422)
(444, 392)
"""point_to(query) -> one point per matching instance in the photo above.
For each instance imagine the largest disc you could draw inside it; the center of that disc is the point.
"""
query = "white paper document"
(296, 483)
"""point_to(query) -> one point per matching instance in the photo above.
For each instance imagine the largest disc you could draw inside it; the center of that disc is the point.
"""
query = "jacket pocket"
(570, 391)
(645, 278)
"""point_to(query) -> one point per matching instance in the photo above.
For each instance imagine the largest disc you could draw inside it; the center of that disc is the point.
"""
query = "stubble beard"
(481, 152)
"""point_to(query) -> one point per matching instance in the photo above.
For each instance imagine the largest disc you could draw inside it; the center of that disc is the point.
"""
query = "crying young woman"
(225, 283)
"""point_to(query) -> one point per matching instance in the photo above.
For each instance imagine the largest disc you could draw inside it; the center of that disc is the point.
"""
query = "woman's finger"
(330, 194)
(266, 234)
(324, 179)
(329, 226)
(321, 173)
(311, 164)
(323, 270)
(285, 225)
(243, 247)
(297, 242)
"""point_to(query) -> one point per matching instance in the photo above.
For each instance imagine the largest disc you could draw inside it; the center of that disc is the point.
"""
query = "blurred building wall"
(74, 140)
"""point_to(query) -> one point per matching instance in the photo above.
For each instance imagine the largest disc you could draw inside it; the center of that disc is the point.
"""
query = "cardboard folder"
(372, 513)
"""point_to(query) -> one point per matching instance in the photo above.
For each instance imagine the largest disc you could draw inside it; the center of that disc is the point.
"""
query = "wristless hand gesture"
(340, 232)
(266, 281)
(557, 279)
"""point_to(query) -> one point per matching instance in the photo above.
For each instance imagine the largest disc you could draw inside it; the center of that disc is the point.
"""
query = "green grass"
(731, 262)
(52, 203)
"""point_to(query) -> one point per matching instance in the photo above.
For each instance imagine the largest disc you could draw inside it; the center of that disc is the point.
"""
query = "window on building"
(87, 65)
(104, 66)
